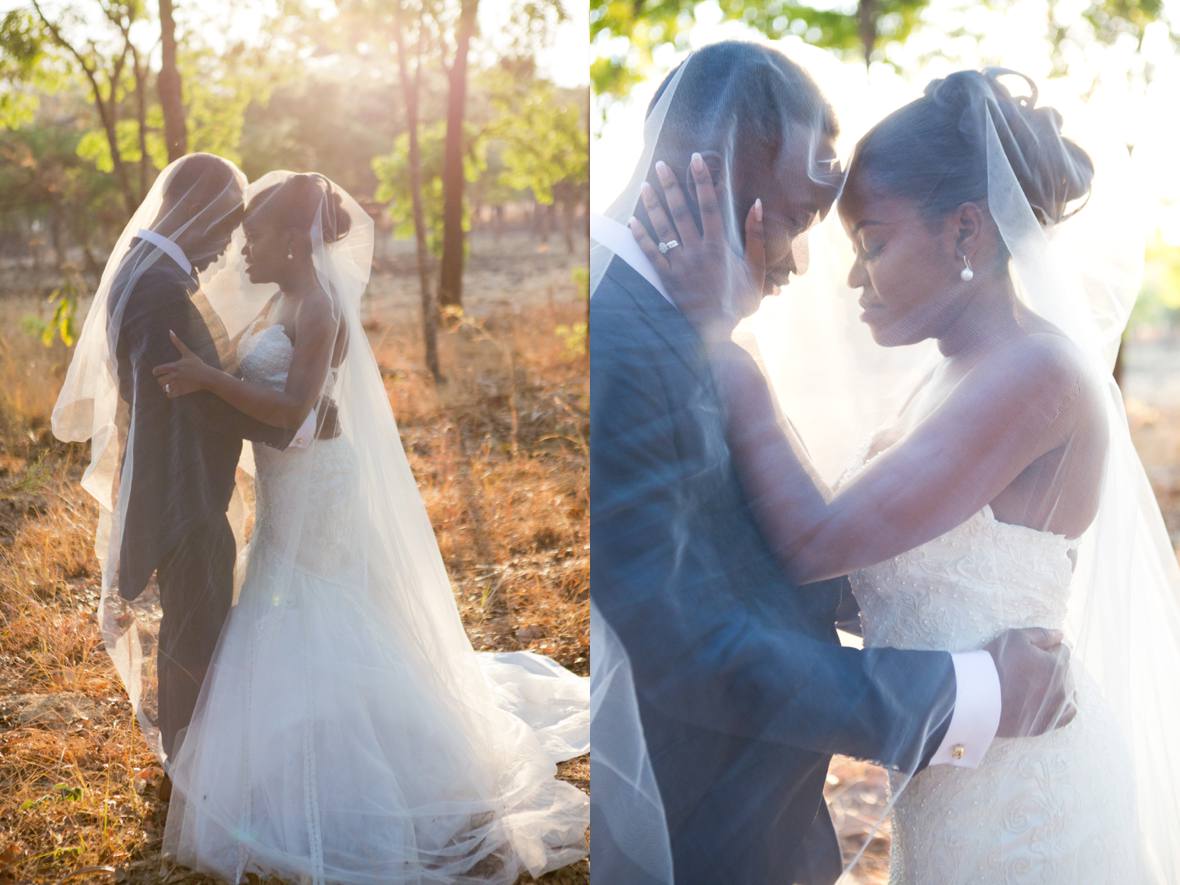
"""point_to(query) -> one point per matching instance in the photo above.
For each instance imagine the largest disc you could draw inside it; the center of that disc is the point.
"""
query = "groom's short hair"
(209, 190)
(198, 178)
(738, 99)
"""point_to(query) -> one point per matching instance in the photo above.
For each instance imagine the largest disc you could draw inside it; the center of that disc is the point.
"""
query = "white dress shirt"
(975, 717)
(306, 432)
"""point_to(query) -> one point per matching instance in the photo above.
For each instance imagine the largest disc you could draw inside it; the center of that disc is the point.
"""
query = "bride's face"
(905, 265)
(265, 250)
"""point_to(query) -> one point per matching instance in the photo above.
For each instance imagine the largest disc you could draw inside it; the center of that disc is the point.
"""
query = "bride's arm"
(315, 336)
(1005, 414)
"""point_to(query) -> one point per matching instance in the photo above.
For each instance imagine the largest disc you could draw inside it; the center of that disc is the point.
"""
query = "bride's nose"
(857, 278)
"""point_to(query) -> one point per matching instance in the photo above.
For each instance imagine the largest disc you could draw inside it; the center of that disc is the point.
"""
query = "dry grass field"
(499, 451)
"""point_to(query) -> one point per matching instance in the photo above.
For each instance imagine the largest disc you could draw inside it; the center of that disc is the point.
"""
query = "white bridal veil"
(1121, 615)
(358, 609)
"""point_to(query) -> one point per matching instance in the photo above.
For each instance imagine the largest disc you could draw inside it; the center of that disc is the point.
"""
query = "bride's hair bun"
(304, 201)
(934, 150)
(316, 192)
(1052, 171)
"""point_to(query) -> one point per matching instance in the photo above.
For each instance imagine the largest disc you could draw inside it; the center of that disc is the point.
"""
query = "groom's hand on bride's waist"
(1036, 683)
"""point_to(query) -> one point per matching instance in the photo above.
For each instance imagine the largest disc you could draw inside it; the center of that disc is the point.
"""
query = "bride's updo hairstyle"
(934, 150)
(297, 204)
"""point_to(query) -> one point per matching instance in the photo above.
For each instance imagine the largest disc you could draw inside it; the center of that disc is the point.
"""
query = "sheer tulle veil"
(195, 204)
(1076, 266)
(1082, 273)
(389, 624)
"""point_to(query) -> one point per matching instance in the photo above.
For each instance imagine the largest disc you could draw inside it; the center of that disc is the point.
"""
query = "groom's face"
(799, 192)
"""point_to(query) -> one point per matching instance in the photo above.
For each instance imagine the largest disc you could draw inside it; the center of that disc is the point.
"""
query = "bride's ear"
(968, 229)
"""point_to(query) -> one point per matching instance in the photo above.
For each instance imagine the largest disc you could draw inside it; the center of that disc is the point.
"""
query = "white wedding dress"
(323, 747)
(1054, 809)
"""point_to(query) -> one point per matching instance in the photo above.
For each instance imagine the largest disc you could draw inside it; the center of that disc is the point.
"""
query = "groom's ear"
(714, 162)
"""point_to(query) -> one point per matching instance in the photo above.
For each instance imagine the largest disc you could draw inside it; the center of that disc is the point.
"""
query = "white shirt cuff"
(976, 716)
(306, 432)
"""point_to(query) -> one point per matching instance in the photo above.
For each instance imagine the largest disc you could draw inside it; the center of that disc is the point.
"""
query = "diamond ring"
(667, 247)
(168, 390)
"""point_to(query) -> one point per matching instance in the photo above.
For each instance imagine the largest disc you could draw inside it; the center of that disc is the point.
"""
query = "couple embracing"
(324, 718)
(994, 544)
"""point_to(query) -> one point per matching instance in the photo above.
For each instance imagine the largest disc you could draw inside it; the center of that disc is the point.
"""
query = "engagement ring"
(667, 247)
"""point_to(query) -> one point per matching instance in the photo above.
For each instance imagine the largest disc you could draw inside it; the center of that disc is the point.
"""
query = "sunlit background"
(1111, 67)
(475, 110)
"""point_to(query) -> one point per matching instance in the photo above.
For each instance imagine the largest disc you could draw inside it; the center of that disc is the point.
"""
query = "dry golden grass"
(499, 451)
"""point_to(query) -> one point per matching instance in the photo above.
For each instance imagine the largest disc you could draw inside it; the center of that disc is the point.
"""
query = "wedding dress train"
(326, 748)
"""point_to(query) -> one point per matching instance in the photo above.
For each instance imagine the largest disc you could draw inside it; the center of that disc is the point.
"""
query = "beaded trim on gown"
(324, 747)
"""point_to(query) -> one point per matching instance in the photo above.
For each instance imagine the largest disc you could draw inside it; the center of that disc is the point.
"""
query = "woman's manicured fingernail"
(647, 192)
(758, 209)
(698, 163)
(663, 171)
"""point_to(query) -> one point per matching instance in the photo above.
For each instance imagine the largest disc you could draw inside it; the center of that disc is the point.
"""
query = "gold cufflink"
(958, 751)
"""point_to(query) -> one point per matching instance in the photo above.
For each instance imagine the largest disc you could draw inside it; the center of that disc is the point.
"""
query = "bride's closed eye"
(868, 251)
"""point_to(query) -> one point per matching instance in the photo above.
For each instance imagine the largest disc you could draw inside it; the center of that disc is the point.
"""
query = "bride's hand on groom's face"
(1036, 682)
(709, 281)
(186, 375)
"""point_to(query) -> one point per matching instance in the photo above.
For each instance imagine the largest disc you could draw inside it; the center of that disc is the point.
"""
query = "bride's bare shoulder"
(1046, 365)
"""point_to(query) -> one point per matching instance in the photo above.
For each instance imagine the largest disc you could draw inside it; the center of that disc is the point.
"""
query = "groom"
(743, 689)
(181, 454)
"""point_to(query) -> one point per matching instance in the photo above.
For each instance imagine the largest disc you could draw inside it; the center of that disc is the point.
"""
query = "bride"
(346, 730)
(999, 496)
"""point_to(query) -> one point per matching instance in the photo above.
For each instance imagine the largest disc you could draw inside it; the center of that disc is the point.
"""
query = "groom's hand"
(1036, 685)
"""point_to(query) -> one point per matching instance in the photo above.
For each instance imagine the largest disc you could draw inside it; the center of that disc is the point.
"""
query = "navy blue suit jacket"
(743, 689)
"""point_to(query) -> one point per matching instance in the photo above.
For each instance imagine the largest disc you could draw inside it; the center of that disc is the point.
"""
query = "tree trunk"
(169, 86)
(410, 93)
(141, 75)
(450, 289)
(565, 201)
(866, 26)
(108, 124)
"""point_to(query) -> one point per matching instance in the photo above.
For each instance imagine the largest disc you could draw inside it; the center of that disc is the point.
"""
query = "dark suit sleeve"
(697, 657)
(145, 336)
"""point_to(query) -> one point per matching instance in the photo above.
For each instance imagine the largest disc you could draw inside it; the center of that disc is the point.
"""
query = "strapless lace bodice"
(963, 588)
(1026, 813)
(265, 356)
(958, 591)
(305, 499)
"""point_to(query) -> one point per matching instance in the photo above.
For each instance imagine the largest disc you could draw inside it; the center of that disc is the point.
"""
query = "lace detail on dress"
(1028, 812)
(306, 501)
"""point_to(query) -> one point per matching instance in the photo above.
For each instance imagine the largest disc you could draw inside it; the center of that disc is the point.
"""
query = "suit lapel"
(668, 322)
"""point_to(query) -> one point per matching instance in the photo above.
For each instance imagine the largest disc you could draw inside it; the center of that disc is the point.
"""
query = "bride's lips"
(869, 308)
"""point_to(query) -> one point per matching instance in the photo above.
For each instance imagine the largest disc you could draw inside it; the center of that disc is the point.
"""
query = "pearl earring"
(966, 274)
(290, 255)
